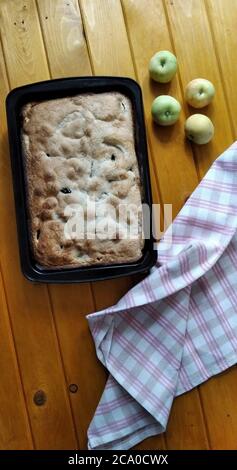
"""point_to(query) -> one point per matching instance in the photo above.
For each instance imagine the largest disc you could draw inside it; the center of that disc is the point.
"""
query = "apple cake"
(81, 170)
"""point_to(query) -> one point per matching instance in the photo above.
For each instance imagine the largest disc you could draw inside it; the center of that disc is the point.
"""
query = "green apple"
(165, 110)
(199, 92)
(199, 129)
(163, 66)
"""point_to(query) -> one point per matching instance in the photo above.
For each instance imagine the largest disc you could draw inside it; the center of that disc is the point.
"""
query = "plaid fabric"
(178, 327)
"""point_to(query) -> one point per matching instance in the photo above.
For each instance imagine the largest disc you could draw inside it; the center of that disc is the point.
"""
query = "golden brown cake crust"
(79, 149)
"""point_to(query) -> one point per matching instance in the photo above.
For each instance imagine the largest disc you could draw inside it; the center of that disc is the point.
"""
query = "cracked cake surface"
(79, 151)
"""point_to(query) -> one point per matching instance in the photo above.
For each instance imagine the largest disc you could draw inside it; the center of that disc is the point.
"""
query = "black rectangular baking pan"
(51, 89)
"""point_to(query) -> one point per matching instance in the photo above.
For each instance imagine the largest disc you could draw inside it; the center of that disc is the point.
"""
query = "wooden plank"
(64, 38)
(84, 373)
(218, 395)
(103, 20)
(193, 44)
(29, 307)
(109, 47)
(176, 172)
(105, 296)
(192, 36)
(219, 402)
(15, 430)
(172, 156)
(22, 42)
(108, 44)
(72, 303)
(186, 427)
(222, 19)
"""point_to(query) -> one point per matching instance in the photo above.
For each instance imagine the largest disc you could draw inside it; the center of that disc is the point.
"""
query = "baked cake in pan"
(80, 151)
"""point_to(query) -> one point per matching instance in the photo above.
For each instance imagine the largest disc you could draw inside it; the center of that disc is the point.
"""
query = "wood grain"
(218, 395)
(21, 33)
(29, 307)
(191, 35)
(192, 40)
(176, 172)
(64, 38)
(186, 427)
(95, 39)
(219, 402)
(46, 342)
(172, 156)
(109, 47)
(15, 430)
(71, 303)
(100, 24)
(222, 20)
(100, 19)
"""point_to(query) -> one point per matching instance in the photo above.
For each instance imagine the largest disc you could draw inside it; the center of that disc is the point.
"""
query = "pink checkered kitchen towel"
(178, 327)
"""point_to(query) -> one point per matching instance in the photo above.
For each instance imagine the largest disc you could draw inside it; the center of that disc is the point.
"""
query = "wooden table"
(51, 380)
